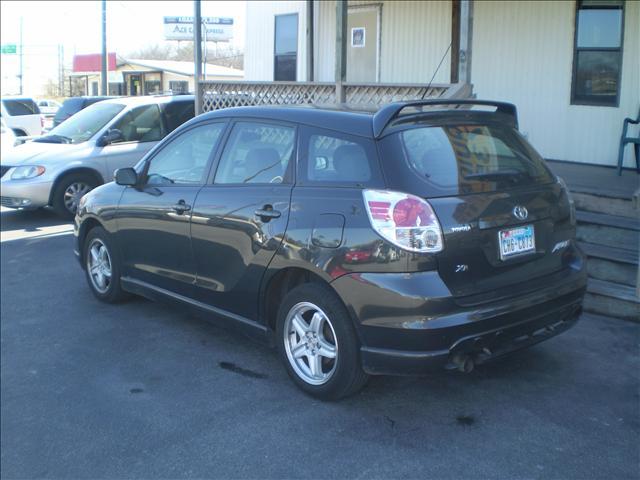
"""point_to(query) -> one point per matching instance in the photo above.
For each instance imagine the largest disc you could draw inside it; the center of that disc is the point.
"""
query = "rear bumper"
(411, 324)
(480, 346)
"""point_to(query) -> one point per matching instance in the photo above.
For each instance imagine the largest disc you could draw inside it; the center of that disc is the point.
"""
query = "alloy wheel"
(310, 343)
(99, 265)
(73, 193)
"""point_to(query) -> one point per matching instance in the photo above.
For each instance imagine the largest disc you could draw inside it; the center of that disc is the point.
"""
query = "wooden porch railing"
(216, 95)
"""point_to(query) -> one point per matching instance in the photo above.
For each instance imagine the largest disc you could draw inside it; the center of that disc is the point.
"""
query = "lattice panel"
(224, 95)
(383, 94)
(218, 95)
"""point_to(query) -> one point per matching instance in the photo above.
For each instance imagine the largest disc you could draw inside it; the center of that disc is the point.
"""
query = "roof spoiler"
(388, 113)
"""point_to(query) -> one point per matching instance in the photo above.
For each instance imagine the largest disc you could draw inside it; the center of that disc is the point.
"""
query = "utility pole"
(341, 49)
(60, 71)
(21, 58)
(103, 76)
(197, 54)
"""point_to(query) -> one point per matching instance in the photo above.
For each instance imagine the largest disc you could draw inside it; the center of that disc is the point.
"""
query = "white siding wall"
(414, 38)
(523, 53)
(260, 26)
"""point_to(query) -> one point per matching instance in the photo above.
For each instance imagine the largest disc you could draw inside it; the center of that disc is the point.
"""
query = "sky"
(76, 25)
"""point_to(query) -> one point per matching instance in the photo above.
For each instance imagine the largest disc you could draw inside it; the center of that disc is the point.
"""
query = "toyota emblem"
(520, 212)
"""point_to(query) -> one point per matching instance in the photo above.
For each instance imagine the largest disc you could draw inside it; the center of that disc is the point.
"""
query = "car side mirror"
(127, 177)
(111, 136)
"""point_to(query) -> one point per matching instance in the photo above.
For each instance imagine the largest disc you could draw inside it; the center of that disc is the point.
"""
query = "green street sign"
(9, 48)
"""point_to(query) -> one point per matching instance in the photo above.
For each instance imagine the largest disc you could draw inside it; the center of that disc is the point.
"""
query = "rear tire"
(102, 266)
(318, 343)
(69, 191)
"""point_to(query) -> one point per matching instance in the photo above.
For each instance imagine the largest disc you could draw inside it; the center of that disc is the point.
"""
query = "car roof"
(10, 97)
(340, 118)
(149, 100)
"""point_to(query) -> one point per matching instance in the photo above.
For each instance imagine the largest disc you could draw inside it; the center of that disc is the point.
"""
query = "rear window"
(21, 106)
(472, 158)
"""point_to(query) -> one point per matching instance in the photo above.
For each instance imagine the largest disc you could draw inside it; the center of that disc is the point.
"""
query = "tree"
(153, 52)
(225, 56)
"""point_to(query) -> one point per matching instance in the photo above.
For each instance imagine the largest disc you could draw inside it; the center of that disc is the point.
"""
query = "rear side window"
(17, 107)
(472, 158)
(340, 160)
(256, 153)
(177, 113)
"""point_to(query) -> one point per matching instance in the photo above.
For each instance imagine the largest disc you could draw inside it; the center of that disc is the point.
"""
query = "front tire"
(318, 343)
(102, 266)
(69, 191)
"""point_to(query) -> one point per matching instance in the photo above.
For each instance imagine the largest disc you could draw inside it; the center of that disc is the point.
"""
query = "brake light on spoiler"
(405, 220)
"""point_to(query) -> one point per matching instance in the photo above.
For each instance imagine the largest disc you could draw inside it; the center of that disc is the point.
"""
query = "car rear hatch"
(501, 210)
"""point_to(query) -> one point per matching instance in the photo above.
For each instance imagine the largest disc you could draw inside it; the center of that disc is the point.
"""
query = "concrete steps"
(608, 231)
(614, 299)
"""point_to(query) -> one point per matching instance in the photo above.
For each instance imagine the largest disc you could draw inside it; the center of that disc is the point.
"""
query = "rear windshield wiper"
(53, 139)
(507, 174)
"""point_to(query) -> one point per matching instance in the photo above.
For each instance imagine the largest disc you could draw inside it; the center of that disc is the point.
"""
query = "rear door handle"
(267, 213)
(181, 207)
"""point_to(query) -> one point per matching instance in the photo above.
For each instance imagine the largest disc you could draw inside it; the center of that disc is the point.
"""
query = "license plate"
(516, 241)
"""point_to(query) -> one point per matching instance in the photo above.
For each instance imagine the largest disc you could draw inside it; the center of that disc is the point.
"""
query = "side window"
(256, 153)
(176, 113)
(142, 124)
(184, 159)
(333, 158)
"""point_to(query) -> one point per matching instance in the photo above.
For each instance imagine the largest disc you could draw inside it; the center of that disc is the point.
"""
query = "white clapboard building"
(571, 67)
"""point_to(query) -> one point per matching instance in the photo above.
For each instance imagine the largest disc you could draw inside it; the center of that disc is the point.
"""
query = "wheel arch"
(93, 173)
(285, 280)
(85, 227)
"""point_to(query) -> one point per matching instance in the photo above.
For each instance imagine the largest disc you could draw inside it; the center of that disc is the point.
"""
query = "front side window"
(597, 62)
(256, 153)
(184, 159)
(285, 60)
(141, 124)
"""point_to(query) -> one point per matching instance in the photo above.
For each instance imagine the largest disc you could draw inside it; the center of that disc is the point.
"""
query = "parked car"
(7, 137)
(388, 243)
(73, 105)
(48, 107)
(22, 115)
(83, 152)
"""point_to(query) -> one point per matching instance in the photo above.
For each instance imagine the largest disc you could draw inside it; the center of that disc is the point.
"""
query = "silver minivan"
(83, 152)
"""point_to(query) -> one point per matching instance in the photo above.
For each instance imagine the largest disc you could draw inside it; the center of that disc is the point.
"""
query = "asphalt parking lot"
(143, 390)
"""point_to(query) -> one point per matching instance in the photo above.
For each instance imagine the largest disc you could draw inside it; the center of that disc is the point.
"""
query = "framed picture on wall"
(358, 37)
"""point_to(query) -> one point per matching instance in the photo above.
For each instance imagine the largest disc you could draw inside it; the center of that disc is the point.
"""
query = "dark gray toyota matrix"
(429, 234)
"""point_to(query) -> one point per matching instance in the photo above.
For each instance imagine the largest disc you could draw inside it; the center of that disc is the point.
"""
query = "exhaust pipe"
(463, 363)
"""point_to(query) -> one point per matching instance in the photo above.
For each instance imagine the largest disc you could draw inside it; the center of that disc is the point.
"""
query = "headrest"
(351, 163)
(261, 162)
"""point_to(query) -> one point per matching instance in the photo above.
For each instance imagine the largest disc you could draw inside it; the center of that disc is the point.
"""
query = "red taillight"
(405, 220)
